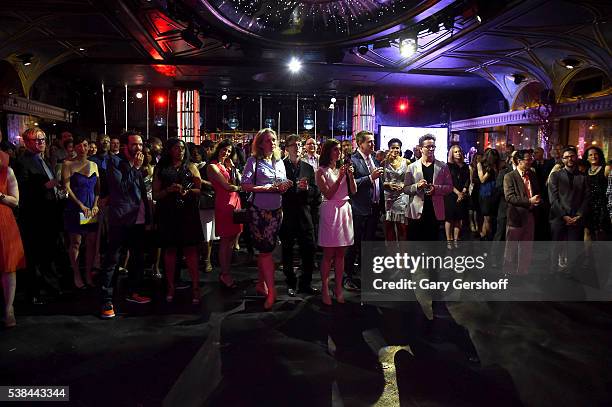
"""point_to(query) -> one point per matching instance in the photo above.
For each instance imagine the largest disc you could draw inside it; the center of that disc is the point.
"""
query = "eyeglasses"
(429, 147)
(567, 157)
(38, 140)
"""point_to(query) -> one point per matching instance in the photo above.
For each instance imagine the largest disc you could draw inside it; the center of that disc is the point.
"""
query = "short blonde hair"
(257, 151)
(32, 132)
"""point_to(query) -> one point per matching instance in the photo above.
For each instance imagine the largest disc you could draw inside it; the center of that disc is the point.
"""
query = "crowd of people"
(129, 203)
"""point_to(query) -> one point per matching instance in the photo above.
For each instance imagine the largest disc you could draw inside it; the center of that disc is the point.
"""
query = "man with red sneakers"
(128, 213)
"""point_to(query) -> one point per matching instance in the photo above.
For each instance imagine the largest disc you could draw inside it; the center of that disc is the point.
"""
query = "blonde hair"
(257, 151)
(450, 158)
(32, 131)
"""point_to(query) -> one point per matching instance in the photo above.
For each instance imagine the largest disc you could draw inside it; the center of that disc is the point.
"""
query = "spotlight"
(295, 65)
(81, 49)
(478, 18)
(570, 63)
(518, 78)
(161, 99)
(26, 59)
(408, 46)
(139, 95)
(224, 97)
(402, 107)
(333, 99)
(331, 106)
(363, 49)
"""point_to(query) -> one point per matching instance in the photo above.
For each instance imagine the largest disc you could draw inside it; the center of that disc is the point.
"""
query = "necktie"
(371, 167)
(527, 185)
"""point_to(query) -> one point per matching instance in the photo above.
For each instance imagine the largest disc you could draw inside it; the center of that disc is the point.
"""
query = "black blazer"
(296, 202)
(35, 200)
(516, 196)
(566, 200)
(361, 200)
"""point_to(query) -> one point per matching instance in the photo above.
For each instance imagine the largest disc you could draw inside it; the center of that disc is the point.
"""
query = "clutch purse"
(87, 221)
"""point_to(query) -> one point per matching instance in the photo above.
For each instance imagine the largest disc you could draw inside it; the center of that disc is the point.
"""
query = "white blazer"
(443, 185)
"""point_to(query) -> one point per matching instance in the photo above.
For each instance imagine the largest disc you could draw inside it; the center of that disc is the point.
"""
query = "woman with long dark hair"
(335, 215)
(176, 188)
(488, 169)
(222, 174)
(395, 198)
(265, 177)
(597, 222)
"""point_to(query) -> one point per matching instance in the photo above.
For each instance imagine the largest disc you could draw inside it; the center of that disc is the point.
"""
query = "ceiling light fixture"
(26, 59)
(570, 63)
(363, 49)
(408, 46)
(139, 95)
(333, 99)
(224, 97)
(295, 65)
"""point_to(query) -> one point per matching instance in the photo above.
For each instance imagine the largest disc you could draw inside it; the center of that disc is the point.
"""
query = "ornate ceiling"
(346, 45)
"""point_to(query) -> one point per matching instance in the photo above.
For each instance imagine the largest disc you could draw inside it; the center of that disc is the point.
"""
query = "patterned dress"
(396, 201)
(597, 219)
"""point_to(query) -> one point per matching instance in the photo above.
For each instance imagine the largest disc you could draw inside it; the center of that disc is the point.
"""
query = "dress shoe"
(308, 291)
(350, 285)
(291, 292)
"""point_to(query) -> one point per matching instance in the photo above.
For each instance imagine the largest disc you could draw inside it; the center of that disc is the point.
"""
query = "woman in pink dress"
(12, 257)
(336, 216)
(223, 176)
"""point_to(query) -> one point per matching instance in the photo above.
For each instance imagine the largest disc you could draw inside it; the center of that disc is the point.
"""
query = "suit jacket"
(36, 202)
(296, 202)
(443, 185)
(361, 200)
(126, 190)
(502, 209)
(566, 200)
(516, 196)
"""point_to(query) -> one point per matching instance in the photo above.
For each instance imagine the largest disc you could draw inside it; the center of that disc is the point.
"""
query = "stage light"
(408, 46)
(363, 49)
(402, 106)
(333, 99)
(138, 95)
(81, 49)
(570, 63)
(224, 97)
(161, 99)
(26, 59)
(295, 65)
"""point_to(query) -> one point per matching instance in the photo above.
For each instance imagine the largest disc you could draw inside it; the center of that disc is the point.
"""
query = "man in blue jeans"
(128, 213)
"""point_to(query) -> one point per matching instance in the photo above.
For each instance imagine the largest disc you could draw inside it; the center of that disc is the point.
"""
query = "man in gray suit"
(427, 181)
(522, 195)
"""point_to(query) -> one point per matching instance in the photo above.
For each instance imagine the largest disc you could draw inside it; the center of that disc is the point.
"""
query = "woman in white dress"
(336, 216)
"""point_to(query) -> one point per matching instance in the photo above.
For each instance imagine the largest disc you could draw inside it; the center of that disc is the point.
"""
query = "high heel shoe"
(270, 300)
(10, 321)
(226, 282)
(339, 296)
(325, 298)
(170, 294)
(261, 288)
(195, 296)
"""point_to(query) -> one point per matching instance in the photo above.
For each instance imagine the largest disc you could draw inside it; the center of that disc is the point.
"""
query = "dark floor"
(228, 352)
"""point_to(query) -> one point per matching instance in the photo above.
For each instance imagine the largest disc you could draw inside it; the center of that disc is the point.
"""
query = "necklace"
(595, 171)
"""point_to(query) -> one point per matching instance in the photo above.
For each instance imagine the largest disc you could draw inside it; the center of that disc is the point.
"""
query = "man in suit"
(312, 158)
(502, 209)
(39, 215)
(367, 203)
(128, 213)
(297, 220)
(569, 199)
(569, 202)
(522, 196)
(542, 168)
(427, 182)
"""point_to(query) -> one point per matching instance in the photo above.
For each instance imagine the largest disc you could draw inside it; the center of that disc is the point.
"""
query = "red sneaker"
(138, 299)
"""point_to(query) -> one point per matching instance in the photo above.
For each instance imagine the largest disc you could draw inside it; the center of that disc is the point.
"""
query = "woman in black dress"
(474, 191)
(597, 219)
(456, 203)
(176, 188)
(488, 169)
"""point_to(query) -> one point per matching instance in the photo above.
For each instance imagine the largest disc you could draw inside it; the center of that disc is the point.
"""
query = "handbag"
(244, 215)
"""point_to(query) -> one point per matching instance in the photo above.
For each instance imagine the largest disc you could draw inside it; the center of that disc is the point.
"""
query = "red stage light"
(161, 99)
(402, 107)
